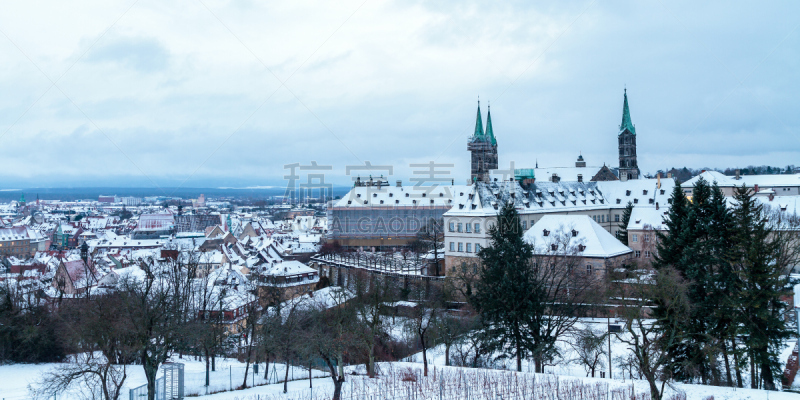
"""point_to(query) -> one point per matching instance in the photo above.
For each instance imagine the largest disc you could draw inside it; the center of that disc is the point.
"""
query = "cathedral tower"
(628, 168)
(483, 148)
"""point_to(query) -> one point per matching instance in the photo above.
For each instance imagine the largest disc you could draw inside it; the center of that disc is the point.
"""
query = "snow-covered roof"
(486, 198)
(289, 268)
(576, 230)
(19, 233)
(406, 196)
(566, 174)
(722, 180)
(647, 216)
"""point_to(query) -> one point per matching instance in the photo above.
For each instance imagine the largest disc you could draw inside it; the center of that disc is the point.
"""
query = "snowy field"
(569, 365)
(16, 379)
(404, 381)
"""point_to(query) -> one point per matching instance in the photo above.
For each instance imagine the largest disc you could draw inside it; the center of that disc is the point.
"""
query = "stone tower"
(628, 168)
(483, 149)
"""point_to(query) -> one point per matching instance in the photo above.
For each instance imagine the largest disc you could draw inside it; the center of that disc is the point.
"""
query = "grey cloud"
(142, 54)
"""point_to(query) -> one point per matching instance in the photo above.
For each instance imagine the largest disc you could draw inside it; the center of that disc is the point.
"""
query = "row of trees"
(735, 263)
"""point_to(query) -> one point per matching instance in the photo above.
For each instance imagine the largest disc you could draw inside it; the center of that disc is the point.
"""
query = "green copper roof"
(489, 131)
(626, 117)
(478, 124)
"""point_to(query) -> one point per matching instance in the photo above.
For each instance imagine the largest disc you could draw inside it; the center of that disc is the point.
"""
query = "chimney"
(656, 206)
(738, 176)
(399, 183)
(669, 175)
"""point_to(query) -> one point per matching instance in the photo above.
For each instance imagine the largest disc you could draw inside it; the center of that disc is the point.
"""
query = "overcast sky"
(225, 93)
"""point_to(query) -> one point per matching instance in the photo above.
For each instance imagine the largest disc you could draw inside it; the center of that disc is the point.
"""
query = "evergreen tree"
(503, 293)
(622, 233)
(694, 246)
(760, 284)
(668, 243)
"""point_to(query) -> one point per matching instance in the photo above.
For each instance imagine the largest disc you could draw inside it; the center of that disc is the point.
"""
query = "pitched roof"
(645, 216)
(578, 230)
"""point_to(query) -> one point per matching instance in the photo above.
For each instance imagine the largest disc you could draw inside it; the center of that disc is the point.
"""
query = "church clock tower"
(628, 168)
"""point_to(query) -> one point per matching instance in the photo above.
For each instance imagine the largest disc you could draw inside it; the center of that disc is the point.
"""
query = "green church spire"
(489, 131)
(626, 117)
(478, 123)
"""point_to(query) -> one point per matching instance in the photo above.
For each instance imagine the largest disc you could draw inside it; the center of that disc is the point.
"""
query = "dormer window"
(374, 195)
(413, 202)
(580, 178)
(554, 247)
(635, 201)
(574, 233)
(619, 201)
(581, 248)
(662, 191)
(406, 194)
(652, 201)
(627, 193)
(441, 194)
(365, 202)
(381, 201)
(460, 206)
(358, 195)
(424, 194)
(644, 192)
(397, 202)
(431, 201)
(391, 194)
(545, 232)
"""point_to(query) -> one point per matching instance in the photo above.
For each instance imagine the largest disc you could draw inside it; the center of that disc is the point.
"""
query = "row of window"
(468, 228)
(589, 268)
(638, 254)
(635, 238)
(461, 247)
(602, 218)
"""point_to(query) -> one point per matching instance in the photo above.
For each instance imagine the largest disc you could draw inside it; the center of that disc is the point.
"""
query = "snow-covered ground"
(568, 364)
(16, 379)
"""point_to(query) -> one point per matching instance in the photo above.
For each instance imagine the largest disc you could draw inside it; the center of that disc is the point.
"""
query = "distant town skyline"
(209, 94)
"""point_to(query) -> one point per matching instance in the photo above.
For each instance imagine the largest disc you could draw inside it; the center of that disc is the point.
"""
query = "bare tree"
(88, 375)
(372, 292)
(588, 345)
(423, 316)
(94, 329)
(155, 306)
(646, 340)
(331, 332)
(561, 293)
(430, 238)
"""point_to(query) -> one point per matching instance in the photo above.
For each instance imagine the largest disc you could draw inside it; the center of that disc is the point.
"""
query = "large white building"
(475, 209)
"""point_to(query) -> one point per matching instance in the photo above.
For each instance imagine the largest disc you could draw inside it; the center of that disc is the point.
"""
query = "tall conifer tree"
(622, 233)
(504, 291)
(761, 282)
